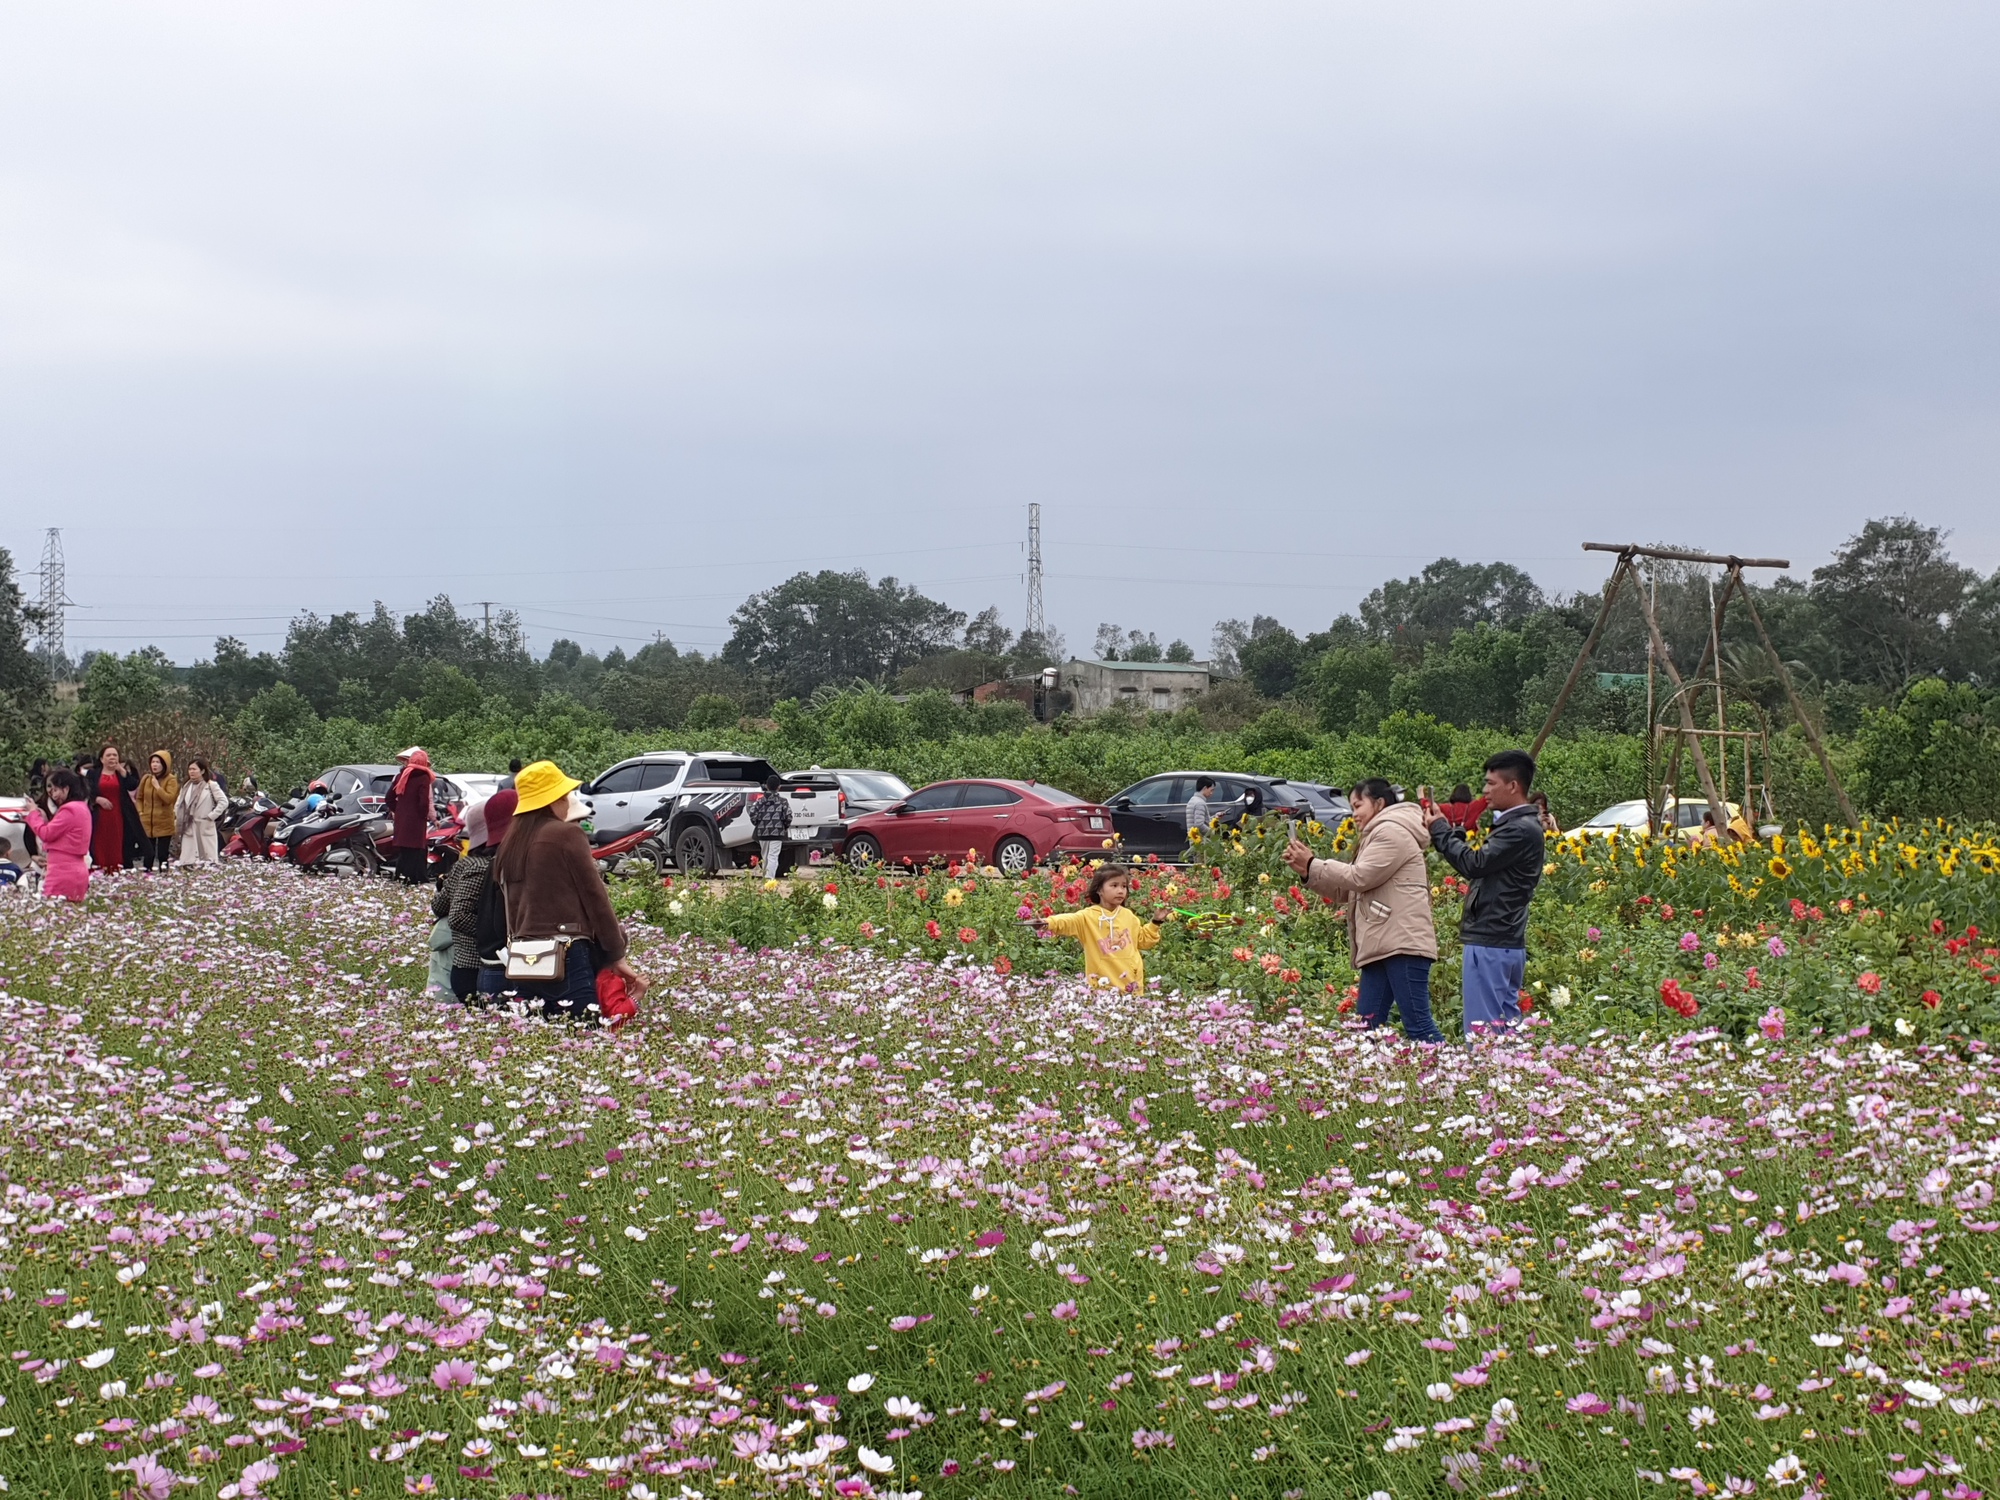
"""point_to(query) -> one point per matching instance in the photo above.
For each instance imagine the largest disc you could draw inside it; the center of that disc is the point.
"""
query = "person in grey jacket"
(1389, 926)
(1197, 805)
(1504, 872)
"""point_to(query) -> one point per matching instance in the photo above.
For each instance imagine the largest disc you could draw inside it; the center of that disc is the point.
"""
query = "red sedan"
(1010, 824)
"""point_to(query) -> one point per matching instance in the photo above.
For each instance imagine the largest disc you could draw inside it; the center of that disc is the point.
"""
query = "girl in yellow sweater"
(1112, 936)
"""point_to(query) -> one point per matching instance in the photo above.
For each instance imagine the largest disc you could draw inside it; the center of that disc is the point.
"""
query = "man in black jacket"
(1504, 872)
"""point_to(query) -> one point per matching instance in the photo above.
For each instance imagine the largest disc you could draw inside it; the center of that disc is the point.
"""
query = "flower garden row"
(833, 1219)
(1892, 926)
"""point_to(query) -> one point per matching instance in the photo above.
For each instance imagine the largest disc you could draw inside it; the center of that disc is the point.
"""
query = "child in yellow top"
(1112, 936)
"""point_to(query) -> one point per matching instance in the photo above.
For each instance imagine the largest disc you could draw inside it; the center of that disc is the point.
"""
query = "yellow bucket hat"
(542, 783)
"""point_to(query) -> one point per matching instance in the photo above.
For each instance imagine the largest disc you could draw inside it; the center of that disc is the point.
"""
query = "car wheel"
(863, 851)
(1014, 856)
(694, 850)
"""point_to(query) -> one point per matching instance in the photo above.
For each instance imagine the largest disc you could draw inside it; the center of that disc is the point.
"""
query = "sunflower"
(1779, 868)
(1986, 862)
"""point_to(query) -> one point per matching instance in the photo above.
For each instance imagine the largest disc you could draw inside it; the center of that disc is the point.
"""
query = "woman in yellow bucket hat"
(554, 891)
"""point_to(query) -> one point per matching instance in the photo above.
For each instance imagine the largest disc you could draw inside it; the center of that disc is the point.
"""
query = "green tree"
(828, 628)
(24, 685)
(1892, 595)
(1936, 754)
(1351, 687)
(1449, 596)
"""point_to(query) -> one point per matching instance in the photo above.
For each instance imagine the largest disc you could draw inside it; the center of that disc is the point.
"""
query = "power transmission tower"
(487, 606)
(1036, 627)
(55, 599)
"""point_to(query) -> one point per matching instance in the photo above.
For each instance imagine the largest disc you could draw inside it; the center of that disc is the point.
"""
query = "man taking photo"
(1504, 872)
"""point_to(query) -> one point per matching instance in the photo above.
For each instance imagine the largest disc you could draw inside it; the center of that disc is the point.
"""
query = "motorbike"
(329, 839)
(249, 823)
(647, 842)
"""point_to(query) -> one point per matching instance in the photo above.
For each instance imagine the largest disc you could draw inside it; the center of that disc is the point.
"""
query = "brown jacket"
(155, 796)
(553, 886)
(1387, 887)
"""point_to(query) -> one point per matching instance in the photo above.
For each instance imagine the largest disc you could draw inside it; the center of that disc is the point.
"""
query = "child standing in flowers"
(1112, 935)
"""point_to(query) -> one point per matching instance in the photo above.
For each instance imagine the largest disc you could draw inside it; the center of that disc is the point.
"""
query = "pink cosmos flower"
(453, 1373)
(1772, 1024)
(1064, 1312)
(1588, 1404)
(385, 1386)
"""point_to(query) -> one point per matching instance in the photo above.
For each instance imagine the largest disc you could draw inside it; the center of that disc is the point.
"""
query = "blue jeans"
(1405, 979)
(571, 998)
(1493, 987)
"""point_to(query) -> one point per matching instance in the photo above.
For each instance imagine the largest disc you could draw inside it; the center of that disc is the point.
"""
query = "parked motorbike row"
(319, 835)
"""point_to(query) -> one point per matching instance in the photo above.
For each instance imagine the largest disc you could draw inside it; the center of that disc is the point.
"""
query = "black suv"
(1150, 816)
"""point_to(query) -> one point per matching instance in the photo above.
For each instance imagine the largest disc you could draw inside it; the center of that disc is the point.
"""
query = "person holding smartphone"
(1390, 930)
(1504, 872)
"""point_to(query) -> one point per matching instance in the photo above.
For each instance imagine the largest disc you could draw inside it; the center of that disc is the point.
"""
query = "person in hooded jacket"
(1503, 873)
(458, 897)
(1390, 930)
(408, 804)
(154, 799)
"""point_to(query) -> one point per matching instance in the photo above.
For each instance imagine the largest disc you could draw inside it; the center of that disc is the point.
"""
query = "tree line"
(1475, 645)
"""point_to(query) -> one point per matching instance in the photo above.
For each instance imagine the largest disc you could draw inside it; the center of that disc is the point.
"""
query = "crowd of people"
(524, 914)
(104, 813)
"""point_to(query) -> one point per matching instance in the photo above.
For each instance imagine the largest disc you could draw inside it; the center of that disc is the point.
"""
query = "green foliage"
(1936, 754)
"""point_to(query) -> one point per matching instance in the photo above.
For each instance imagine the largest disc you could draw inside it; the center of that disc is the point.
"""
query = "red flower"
(968, 934)
(1527, 1003)
(1290, 976)
(1937, 926)
(1346, 1005)
(1003, 965)
(1931, 998)
(1870, 982)
(932, 930)
(832, 888)
(1798, 910)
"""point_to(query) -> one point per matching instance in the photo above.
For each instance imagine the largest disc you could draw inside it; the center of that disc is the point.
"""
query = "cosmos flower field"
(835, 1221)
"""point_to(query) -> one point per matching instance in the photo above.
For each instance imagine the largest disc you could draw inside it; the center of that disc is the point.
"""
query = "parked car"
(863, 791)
(14, 831)
(467, 788)
(1014, 825)
(1681, 816)
(362, 788)
(1151, 815)
(706, 798)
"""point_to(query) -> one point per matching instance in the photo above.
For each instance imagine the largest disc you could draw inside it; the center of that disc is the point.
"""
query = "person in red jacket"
(1461, 809)
(408, 805)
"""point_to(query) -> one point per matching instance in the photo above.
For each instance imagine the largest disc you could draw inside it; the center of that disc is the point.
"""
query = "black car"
(1151, 815)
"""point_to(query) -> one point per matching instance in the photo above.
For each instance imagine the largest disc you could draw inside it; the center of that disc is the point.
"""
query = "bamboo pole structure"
(1799, 713)
(1583, 657)
(1716, 806)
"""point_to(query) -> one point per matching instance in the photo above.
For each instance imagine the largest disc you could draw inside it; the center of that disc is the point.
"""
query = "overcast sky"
(613, 313)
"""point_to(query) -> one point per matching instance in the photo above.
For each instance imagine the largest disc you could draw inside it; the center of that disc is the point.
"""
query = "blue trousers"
(1493, 987)
(574, 996)
(1404, 979)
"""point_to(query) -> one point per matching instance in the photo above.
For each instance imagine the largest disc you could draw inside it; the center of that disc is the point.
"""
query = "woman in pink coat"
(65, 836)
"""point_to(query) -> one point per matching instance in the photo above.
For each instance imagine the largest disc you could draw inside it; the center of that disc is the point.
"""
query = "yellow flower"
(1779, 868)
(954, 897)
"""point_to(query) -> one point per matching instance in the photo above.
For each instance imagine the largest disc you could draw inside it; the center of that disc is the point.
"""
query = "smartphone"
(1291, 828)
(1423, 794)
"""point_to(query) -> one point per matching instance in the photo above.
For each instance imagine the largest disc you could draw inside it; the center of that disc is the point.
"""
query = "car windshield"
(1620, 815)
(874, 785)
(1057, 794)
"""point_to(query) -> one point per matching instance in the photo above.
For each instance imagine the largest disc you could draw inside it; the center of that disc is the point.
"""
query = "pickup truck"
(702, 801)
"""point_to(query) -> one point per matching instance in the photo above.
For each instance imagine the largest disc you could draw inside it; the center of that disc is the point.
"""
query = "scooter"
(329, 838)
(646, 842)
(250, 822)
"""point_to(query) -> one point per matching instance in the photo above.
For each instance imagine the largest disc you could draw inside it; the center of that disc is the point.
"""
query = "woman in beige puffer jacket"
(1388, 891)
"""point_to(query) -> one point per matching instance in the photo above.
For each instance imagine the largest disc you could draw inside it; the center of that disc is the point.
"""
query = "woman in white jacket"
(200, 803)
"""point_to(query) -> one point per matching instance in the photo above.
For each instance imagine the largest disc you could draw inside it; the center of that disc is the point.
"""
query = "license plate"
(1097, 822)
(805, 835)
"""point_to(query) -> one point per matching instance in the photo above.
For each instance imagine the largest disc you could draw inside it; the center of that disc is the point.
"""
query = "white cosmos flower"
(1440, 1390)
(104, 1357)
(529, 1450)
(1505, 1410)
(903, 1406)
(128, 1274)
(1828, 1340)
(804, 1216)
(856, 1384)
(876, 1463)
(1924, 1391)
(981, 1291)
(1967, 1405)
(634, 1232)
(111, 1390)
(1787, 1470)
(1701, 1416)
